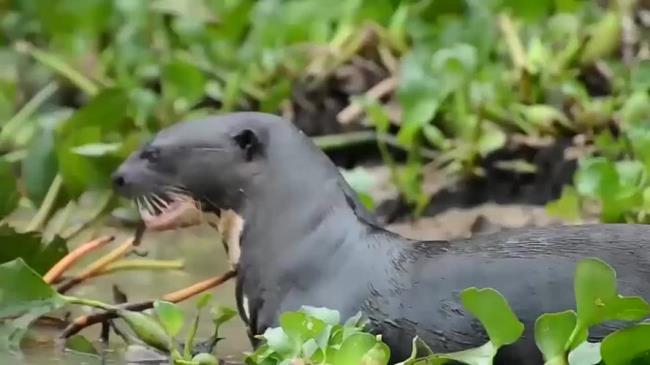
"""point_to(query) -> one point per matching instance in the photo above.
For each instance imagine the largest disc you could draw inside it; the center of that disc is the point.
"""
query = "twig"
(68, 260)
(354, 110)
(45, 209)
(97, 266)
(88, 320)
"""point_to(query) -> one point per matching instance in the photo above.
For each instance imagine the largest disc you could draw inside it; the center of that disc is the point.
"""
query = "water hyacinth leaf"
(596, 177)
(627, 346)
(79, 344)
(205, 359)
(8, 193)
(587, 353)
(329, 316)
(278, 341)
(183, 82)
(300, 326)
(362, 348)
(419, 95)
(147, 329)
(170, 316)
(107, 110)
(597, 299)
(552, 332)
(24, 297)
(39, 167)
(567, 206)
(528, 10)
(605, 38)
(494, 313)
(29, 247)
(221, 315)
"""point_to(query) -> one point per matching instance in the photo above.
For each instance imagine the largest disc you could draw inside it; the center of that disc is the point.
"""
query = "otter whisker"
(147, 205)
(159, 202)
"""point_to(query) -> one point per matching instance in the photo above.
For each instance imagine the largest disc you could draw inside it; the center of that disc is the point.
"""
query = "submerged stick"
(177, 296)
(71, 258)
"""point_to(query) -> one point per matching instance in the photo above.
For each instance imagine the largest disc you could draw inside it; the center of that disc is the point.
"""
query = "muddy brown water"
(203, 256)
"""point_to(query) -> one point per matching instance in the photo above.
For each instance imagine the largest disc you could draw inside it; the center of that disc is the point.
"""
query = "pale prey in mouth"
(169, 210)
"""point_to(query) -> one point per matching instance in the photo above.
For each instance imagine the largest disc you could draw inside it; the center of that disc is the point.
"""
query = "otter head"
(192, 168)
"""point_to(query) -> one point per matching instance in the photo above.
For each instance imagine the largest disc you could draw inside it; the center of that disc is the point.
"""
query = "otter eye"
(150, 154)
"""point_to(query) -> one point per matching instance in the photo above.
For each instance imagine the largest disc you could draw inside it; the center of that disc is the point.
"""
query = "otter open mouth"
(169, 210)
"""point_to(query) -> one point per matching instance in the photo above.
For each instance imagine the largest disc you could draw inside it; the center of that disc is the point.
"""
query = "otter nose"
(118, 180)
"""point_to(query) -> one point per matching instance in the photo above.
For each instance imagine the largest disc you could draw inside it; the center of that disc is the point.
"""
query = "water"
(204, 257)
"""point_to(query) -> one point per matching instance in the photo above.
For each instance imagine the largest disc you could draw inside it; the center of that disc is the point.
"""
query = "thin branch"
(88, 320)
(71, 258)
(97, 266)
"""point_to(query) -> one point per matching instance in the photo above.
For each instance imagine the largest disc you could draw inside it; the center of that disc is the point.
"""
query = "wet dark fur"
(308, 241)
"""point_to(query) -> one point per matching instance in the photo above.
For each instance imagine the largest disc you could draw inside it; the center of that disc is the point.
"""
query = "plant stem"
(97, 266)
(90, 303)
(28, 109)
(68, 260)
(189, 344)
(88, 320)
(58, 65)
(516, 49)
(45, 210)
(141, 264)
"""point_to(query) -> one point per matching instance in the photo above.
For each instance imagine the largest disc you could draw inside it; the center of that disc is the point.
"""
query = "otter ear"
(249, 142)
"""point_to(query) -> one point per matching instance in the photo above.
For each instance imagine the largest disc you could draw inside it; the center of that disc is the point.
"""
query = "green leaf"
(528, 10)
(107, 110)
(491, 139)
(147, 329)
(597, 299)
(492, 309)
(567, 206)
(24, 296)
(29, 247)
(587, 353)
(278, 341)
(328, 316)
(79, 344)
(362, 348)
(205, 359)
(552, 332)
(221, 315)
(604, 38)
(627, 346)
(39, 167)
(170, 316)
(419, 95)
(640, 76)
(183, 83)
(300, 326)
(8, 192)
(596, 177)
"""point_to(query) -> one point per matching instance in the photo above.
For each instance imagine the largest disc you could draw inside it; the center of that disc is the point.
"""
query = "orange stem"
(68, 260)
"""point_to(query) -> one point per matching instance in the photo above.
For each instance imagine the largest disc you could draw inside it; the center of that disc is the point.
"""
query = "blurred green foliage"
(83, 83)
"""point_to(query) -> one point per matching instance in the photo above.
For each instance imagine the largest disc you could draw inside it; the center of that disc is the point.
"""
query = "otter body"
(306, 240)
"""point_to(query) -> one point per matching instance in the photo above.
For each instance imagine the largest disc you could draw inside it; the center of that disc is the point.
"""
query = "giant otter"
(301, 237)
